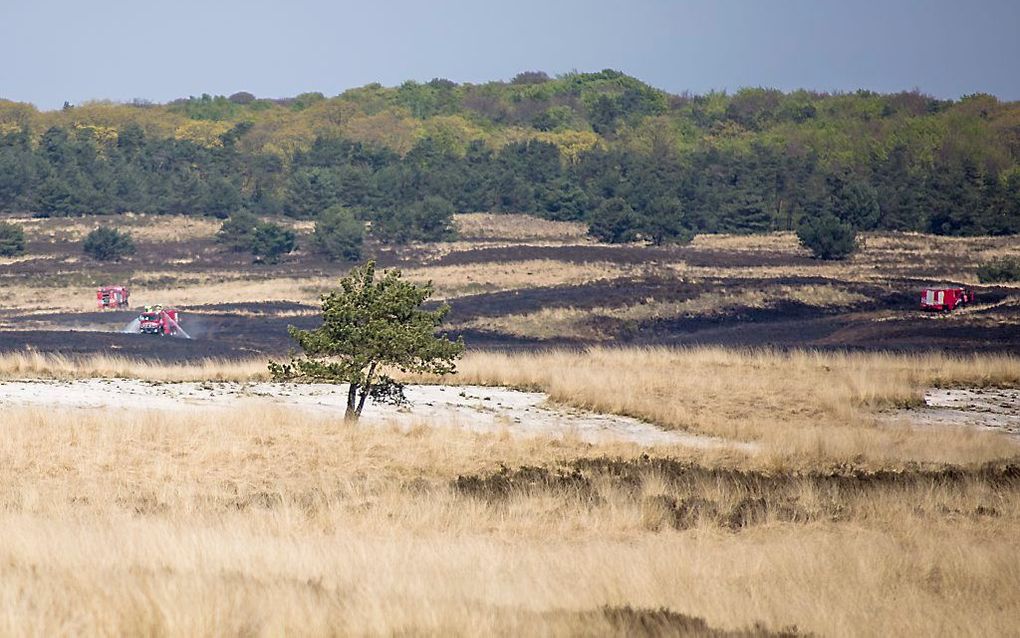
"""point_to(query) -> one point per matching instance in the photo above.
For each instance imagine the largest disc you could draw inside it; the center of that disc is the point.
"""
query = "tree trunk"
(352, 413)
(361, 403)
(365, 391)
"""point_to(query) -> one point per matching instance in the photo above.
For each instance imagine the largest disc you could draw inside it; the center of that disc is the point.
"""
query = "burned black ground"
(885, 317)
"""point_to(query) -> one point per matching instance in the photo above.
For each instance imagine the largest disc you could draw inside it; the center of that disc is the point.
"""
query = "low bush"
(270, 241)
(614, 222)
(426, 221)
(827, 237)
(108, 244)
(237, 231)
(339, 234)
(12, 240)
(999, 270)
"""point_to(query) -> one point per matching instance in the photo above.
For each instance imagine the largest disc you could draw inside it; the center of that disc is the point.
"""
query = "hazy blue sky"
(56, 50)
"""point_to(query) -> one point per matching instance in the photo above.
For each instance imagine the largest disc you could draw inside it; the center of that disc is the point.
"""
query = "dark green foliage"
(339, 234)
(15, 174)
(663, 222)
(372, 326)
(564, 201)
(827, 237)
(856, 203)
(755, 109)
(428, 220)
(238, 231)
(614, 221)
(311, 191)
(242, 97)
(221, 198)
(12, 240)
(999, 270)
(207, 107)
(270, 241)
(604, 115)
(266, 241)
(108, 244)
(530, 77)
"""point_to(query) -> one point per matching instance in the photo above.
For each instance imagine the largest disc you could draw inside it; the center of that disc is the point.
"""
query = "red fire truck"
(112, 297)
(945, 298)
(157, 320)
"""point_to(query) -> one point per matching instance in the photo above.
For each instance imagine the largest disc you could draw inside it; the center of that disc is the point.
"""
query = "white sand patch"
(991, 408)
(475, 408)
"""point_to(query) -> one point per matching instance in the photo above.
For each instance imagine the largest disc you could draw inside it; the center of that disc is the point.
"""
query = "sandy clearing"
(475, 408)
(991, 408)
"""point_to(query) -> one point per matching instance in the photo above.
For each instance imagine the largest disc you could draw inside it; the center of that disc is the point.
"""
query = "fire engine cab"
(157, 320)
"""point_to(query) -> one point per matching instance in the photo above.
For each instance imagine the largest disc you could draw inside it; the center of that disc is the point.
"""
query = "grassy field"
(840, 520)
(806, 408)
(242, 522)
(269, 522)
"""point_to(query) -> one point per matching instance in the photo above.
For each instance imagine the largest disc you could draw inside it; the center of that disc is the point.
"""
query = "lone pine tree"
(370, 326)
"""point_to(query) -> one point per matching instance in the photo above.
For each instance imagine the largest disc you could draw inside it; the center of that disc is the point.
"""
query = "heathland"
(827, 458)
(834, 503)
(253, 520)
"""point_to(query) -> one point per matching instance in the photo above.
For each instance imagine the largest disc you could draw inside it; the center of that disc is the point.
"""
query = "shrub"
(238, 231)
(339, 234)
(664, 222)
(428, 220)
(827, 237)
(999, 270)
(108, 244)
(12, 240)
(614, 221)
(269, 241)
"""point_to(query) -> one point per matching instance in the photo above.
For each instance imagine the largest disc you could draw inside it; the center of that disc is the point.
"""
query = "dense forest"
(632, 161)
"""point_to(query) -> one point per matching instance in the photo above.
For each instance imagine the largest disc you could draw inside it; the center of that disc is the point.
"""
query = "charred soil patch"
(651, 623)
(143, 347)
(687, 494)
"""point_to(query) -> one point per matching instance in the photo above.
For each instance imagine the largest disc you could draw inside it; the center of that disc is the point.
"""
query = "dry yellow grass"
(490, 226)
(245, 523)
(465, 279)
(805, 408)
(142, 227)
(152, 287)
(271, 522)
(155, 228)
(883, 256)
(35, 365)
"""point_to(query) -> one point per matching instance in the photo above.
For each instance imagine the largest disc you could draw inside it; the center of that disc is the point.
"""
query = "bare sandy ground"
(475, 408)
(991, 408)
